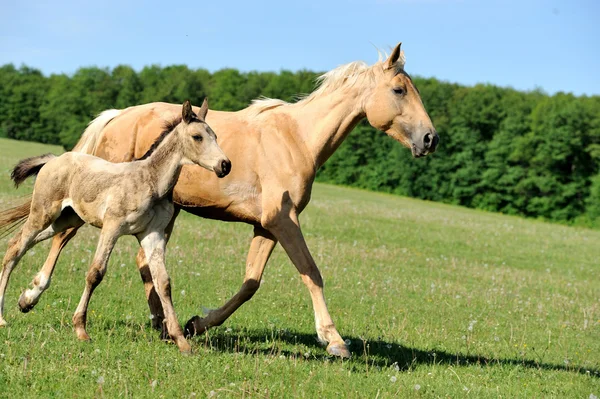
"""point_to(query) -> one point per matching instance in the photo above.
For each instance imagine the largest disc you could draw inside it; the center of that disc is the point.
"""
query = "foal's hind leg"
(154, 243)
(106, 243)
(63, 229)
(27, 237)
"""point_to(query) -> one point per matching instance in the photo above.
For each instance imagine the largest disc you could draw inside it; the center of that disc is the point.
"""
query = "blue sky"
(527, 44)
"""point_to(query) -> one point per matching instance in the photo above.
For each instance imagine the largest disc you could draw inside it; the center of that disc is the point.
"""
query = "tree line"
(502, 150)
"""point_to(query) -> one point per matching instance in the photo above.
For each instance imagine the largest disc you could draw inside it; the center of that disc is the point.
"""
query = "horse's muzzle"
(427, 145)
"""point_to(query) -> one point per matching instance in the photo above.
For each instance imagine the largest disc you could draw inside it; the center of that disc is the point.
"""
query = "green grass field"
(436, 300)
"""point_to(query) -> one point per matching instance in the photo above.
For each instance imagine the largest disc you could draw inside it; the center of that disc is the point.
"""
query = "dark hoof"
(194, 327)
(339, 350)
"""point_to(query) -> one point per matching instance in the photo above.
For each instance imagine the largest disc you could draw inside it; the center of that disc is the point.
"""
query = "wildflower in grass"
(393, 378)
(101, 380)
(417, 387)
(471, 325)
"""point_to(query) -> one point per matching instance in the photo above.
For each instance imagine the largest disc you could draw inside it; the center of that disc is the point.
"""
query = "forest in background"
(502, 150)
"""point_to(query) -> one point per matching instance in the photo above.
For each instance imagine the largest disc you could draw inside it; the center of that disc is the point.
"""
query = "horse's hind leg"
(26, 238)
(260, 250)
(95, 274)
(63, 229)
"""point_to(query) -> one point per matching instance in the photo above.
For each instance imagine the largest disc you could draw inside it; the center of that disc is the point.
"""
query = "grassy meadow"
(435, 300)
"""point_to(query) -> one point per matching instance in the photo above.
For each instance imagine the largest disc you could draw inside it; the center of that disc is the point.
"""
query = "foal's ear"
(187, 113)
(389, 63)
(203, 109)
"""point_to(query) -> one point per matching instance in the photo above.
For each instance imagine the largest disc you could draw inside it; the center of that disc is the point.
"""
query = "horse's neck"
(325, 122)
(165, 164)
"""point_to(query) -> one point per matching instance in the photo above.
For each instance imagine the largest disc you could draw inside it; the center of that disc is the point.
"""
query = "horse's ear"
(187, 113)
(203, 109)
(389, 63)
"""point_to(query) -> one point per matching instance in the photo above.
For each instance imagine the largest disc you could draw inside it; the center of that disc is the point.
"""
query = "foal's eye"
(197, 138)
(399, 90)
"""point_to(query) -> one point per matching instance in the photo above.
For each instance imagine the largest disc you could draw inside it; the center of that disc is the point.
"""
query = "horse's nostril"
(427, 140)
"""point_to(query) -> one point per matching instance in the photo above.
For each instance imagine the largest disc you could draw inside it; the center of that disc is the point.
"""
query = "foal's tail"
(13, 217)
(29, 167)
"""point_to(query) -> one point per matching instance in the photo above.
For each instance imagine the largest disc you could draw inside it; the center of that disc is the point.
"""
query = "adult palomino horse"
(127, 198)
(276, 148)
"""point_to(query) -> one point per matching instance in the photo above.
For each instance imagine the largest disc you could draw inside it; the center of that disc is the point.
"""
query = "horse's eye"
(399, 90)
(197, 138)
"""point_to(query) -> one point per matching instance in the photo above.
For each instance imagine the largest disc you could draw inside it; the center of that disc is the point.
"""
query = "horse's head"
(394, 107)
(200, 142)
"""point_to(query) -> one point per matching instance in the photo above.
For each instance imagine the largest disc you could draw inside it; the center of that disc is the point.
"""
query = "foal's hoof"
(339, 350)
(3, 322)
(24, 304)
(194, 326)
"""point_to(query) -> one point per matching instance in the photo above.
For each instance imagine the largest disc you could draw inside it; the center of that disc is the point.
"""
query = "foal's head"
(199, 142)
(394, 106)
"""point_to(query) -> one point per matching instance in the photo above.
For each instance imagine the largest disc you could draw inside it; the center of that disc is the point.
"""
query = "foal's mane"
(168, 127)
(347, 75)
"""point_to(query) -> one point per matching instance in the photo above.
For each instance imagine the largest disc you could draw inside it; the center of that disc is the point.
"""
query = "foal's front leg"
(153, 243)
(108, 238)
(154, 303)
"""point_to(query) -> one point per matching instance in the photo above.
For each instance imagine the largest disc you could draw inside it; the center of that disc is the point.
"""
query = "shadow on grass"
(375, 353)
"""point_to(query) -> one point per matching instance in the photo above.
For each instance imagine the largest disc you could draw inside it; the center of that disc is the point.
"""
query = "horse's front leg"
(153, 243)
(260, 249)
(154, 303)
(286, 228)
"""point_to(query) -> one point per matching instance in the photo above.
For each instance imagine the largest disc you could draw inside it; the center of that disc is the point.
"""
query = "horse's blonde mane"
(344, 76)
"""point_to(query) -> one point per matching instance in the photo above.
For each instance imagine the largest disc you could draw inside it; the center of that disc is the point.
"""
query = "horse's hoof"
(3, 322)
(24, 305)
(194, 326)
(339, 350)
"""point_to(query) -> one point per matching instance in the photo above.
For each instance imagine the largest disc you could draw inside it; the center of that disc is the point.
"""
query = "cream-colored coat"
(276, 149)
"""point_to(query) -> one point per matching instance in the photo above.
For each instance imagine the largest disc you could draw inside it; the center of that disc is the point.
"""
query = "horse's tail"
(29, 167)
(90, 138)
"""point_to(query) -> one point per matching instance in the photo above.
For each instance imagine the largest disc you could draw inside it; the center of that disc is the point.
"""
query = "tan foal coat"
(132, 198)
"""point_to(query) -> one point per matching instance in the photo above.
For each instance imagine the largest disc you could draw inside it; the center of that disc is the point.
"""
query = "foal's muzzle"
(223, 169)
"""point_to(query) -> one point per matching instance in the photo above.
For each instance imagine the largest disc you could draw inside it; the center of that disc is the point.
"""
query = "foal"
(132, 198)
